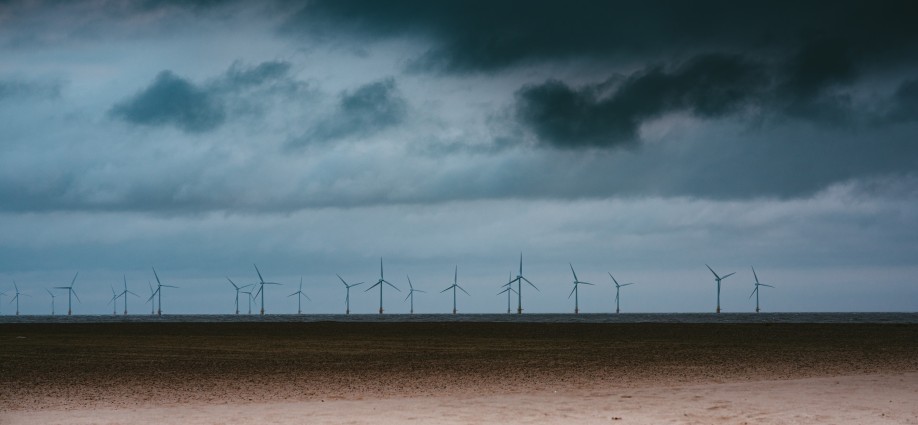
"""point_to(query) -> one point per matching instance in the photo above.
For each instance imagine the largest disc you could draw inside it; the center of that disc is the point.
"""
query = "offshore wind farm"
(706, 208)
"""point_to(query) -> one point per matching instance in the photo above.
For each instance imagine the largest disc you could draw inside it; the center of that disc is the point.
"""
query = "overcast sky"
(641, 138)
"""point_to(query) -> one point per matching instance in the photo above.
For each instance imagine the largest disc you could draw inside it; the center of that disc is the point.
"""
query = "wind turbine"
(519, 289)
(299, 299)
(617, 288)
(718, 279)
(150, 300)
(756, 290)
(238, 288)
(125, 294)
(52, 300)
(159, 291)
(509, 289)
(454, 286)
(411, 292)
(251, 297)
(261, 287)
(16, 297)
(2, 294)
(114, 301)
(380, 283)
(576, 292)
(70, 293)
(347, 298)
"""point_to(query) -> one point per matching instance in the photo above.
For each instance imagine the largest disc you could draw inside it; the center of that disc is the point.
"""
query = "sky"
(639, 138)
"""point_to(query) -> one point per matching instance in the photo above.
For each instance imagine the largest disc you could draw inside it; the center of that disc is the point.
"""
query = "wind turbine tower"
(454, 286)
(250, 298)
(70, 293)
(380, 283)
(618, 287)
(238, 288)
(717, 279)
(52, 300)
(519, 289)
(347, 297)
(575, 291)
(159, 292)
(509, 289)
(411, 292)
(16, 297)
(114, 301)
(756, 290)
(299, 299)
(151, 300)
(261, 287)
(125, 293)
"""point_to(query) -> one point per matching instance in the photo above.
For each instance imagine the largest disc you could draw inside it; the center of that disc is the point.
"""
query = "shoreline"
(91, 368)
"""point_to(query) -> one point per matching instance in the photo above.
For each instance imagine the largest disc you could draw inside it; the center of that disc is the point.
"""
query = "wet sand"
(457, 373)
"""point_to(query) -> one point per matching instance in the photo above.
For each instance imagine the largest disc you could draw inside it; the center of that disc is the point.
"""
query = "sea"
(897, 318)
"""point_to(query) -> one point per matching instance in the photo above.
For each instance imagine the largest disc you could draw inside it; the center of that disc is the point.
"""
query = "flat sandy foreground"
(458, 373)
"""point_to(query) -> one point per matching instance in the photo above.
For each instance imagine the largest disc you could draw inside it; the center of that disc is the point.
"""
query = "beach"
(331, 372)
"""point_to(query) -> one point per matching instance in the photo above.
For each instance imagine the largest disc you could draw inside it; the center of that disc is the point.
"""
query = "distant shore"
(112, 366)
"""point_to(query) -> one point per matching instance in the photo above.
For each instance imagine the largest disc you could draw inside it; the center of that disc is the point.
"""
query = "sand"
(458, 373)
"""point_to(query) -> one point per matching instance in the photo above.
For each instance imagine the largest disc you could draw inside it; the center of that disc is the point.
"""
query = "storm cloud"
(370, 108)
(707, 86)
(171, 100)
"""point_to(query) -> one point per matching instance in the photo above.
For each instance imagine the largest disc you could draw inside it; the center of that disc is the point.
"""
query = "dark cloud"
(707, 86)
(368, 109)
(904, 106)
(171, 100)
(489, 35)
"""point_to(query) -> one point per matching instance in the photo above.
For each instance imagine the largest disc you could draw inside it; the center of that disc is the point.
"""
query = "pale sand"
(458, 373)
(866, 399)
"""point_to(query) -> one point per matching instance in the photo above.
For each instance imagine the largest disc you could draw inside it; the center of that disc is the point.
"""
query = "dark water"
(490, 318)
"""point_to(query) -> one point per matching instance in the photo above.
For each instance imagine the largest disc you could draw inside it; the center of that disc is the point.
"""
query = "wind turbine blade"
(169, 286)
(374, 285)
(342, 280)
(261, 279)
(233, 283)
(572, 271)
(288, 296)
(463, 290)
(613, 278)
(712, 271)
(626, 284)
(75, 296)
(74, 279)
(157, 276)
(380, 269)
(586, 283)
(16, 286)
(410, 288)
(418, 290)
(129, 292)
(505, 290)
(753, 291)
(726, 276)
(447, 289)
(572, 292)
(530, 283)
(49, 292)
(521, 263)
(753, 273)
(257, 293)
(358, 283)
(762, 284)
(390, 284)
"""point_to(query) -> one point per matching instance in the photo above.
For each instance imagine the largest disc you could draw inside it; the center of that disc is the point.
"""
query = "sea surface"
(485, 318)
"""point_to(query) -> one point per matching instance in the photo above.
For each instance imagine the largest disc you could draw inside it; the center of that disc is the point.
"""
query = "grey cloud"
(171, 100)
(904, 106)
(370, 108)
(707, 86)
(16, 88)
